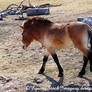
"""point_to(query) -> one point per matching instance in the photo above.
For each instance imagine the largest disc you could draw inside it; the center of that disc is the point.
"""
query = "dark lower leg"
(90, 59)
(82, 72)
(43, 65)
(58, 64)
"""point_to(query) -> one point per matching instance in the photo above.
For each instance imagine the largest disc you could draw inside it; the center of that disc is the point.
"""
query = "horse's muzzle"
(24, 47)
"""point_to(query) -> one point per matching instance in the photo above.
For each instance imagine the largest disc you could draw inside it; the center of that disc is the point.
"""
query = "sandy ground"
(22, 66)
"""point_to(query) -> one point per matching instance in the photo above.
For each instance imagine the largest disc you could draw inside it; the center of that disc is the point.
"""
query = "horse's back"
(65, 35)
(57, 37)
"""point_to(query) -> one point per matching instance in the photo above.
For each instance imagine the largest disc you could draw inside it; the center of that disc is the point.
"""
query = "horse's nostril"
(24, 47)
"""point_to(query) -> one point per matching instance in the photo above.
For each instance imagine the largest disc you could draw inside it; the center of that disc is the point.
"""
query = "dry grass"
(5, 3)
(74, 6)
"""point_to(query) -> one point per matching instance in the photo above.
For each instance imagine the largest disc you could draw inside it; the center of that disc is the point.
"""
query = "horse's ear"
(22, 27)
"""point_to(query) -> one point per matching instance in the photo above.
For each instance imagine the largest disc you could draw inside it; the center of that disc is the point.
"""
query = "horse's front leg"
(58, 64)
(54, 55)
(82, 72)
(43, 65)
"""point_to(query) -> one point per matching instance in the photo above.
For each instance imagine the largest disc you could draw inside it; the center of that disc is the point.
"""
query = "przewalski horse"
(58, 36)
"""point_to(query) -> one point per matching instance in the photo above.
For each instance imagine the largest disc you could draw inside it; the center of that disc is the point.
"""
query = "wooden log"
(12, 12)
(37, 11)
(80, 19)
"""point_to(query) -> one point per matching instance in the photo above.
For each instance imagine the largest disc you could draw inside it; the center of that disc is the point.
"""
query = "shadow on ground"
(57, 86)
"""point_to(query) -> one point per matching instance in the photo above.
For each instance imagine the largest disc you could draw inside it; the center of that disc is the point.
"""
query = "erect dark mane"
(37, 20)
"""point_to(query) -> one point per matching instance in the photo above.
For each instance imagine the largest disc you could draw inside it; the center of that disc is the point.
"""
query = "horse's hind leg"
(85, 52)
(82, 72)
(43, 65)
(90, 59)
(81, 42)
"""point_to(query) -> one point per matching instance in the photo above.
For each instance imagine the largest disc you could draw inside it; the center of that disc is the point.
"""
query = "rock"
(1, 17)
(21, 17)
(90, 18)
(4, 14)
(89, 22)
(38, 80)
(8, 79)
(4, 79)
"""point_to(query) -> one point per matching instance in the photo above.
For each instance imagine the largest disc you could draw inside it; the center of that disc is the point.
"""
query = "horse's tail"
(90, 51)
(90, 37)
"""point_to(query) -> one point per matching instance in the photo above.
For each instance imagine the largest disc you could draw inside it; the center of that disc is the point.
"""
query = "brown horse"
(58, 36)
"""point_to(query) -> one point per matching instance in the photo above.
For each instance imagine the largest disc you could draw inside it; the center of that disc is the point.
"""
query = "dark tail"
(90, 51)
(90, 37)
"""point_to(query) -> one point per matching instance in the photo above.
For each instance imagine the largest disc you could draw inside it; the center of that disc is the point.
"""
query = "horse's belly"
(57, 43)
(62, 45)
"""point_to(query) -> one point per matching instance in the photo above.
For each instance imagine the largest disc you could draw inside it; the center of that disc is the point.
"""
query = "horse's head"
(33, 29)
(27, 37)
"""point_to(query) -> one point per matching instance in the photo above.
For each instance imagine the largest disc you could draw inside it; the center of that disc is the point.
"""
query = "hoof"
(81, 74)
(41, 72)
(60, 75)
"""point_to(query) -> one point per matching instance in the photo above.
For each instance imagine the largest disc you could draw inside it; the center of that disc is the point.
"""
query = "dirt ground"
(22, 66)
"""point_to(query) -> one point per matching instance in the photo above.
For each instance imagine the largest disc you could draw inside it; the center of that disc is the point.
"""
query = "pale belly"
(58, 44)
